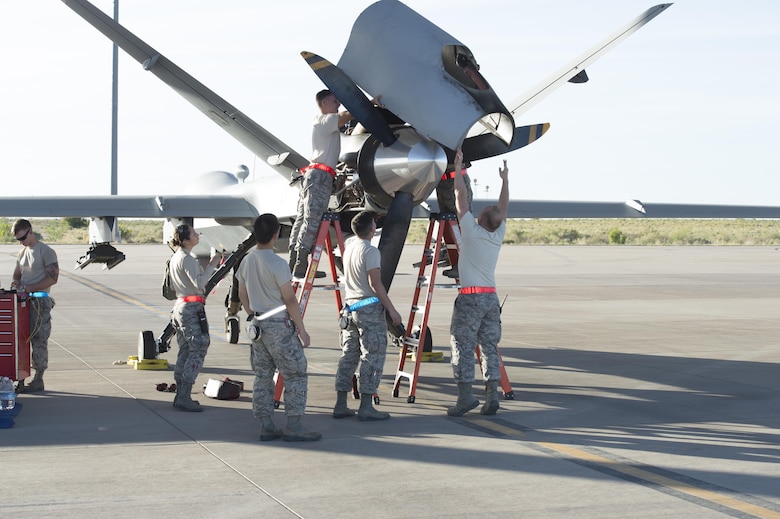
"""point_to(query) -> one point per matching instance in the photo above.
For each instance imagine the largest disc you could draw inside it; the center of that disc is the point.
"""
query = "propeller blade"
(391, 243)
(350, 95)
(488, 145)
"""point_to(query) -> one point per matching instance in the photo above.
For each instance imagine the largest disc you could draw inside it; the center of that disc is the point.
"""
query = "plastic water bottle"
(7, 394)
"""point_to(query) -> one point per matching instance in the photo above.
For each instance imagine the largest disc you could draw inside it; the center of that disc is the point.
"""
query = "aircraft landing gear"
(232, 329)
(147, 347)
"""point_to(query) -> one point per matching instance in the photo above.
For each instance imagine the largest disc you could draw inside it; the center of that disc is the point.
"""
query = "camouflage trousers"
(312, 204)
(192, 339)
(445, 194)
(364, 341)
(278, 348)
(40, 330)
(476, 319)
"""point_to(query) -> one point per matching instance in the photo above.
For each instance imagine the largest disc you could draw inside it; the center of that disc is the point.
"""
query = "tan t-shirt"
(326, 140)
(187, 276)
(478, 253)
(33, 261)
(359, 257)
(262, 272)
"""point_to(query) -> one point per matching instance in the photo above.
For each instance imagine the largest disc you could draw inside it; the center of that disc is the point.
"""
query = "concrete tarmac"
(646, 383)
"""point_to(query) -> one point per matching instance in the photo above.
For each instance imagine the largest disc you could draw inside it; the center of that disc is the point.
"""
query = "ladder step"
(403, 374)
(428, 356)
(327, 287)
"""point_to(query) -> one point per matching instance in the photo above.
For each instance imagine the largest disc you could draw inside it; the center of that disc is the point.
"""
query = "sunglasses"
(22, 238)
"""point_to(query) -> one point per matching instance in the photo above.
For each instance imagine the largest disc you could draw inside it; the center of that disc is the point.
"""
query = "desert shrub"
(617, 237)
(568, 235)
(77, 223)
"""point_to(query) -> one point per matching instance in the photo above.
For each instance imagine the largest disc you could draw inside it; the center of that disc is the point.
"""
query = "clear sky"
(685, 110)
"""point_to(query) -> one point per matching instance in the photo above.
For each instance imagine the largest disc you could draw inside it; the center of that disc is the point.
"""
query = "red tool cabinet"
(14, 335)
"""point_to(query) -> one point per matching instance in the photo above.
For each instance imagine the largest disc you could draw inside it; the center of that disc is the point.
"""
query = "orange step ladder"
(445, 227)
(324, 241)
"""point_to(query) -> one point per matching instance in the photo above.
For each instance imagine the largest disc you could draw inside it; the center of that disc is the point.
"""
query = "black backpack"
(168, 291)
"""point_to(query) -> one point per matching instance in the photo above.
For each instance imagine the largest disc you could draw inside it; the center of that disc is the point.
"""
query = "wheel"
(395, 393)
(147, 348)
(509, 396)
(410, 400)
(277, 404)
(428, 341)
(376, 399)
(232, 330)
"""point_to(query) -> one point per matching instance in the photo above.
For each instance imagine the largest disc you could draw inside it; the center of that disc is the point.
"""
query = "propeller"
(488, 145)
(391, 243)
(350, 95)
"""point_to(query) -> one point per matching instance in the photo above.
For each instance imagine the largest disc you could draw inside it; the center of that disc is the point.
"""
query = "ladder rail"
(438, 224)
(426, 312)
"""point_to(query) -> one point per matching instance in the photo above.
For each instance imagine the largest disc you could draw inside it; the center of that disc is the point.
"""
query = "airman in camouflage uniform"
(264, 284)
(364, 339)
(37, 270)
(476, 314)
(189, 279)
(317, 179)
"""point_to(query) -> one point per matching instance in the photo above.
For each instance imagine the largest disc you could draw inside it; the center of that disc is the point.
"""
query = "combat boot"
(295, 432)
(491, 398)
(367, 413)
(177, 383)
(452, 273)
(293, 259)
(466, 400)
(183, 399)
(269, 431)
(301, 266)
(301, 263)
(341, 410)
(36, 385)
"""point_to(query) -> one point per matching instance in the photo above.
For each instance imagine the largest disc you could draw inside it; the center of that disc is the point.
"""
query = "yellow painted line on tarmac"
(487, 424)
(679, 486)
(113, 293)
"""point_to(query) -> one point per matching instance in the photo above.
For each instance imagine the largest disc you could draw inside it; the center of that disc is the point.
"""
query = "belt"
(323, 167)
(451, 174)
(265, 315)
(363, 302)
(477, 290)
(193, 299)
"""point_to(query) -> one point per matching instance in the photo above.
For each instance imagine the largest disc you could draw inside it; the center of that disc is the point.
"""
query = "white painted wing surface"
(549, 85)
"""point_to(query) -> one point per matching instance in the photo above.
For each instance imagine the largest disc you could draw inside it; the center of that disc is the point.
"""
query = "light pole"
(114, 107)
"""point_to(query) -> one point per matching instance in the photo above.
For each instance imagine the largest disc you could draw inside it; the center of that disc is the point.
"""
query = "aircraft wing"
(628, 209)
(577, 67)
(195, 206)
(260, 141)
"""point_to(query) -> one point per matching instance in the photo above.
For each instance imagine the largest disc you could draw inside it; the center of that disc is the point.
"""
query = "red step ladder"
(324, 241)
(445, 227)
